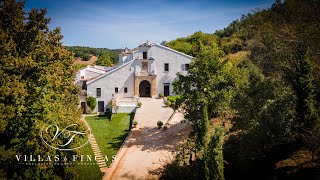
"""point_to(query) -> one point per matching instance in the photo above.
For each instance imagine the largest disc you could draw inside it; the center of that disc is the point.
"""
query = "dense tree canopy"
(36, 90)
(104, 60)
(261, 75)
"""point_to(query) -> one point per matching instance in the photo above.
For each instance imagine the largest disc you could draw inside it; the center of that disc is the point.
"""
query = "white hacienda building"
(145, 71)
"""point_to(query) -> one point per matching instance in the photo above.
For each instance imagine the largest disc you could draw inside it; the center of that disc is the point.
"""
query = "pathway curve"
(147, 148)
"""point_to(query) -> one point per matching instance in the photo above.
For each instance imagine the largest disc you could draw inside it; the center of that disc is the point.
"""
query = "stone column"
(136, 86)
(153, 87)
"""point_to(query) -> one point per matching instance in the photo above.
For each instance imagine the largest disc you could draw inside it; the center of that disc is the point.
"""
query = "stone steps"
(96, 150)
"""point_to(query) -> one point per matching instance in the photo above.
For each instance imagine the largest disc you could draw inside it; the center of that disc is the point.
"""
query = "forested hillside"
(253, 95)
(86, 52)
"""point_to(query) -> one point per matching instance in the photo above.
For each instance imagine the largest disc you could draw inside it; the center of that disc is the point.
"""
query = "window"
(186, 67)
(145, 55)
(166, 66)
(82, 77)
(98, 92)
(116, 90)
(125, 90)
(144, 66)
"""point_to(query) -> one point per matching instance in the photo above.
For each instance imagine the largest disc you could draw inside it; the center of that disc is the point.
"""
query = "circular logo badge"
(64, 139)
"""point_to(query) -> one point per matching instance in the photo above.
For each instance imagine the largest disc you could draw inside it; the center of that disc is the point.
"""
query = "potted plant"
(159, 124)
(139, 104)
(135, 123)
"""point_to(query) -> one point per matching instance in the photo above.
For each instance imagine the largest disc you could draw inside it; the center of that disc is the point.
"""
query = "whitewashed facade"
(145, 71)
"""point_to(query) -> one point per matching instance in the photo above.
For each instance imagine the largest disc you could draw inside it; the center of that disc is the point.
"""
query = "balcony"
(145, 73)
(145, 58)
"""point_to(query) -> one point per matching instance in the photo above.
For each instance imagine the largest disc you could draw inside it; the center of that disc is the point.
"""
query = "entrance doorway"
(100, 106)
(144, 89)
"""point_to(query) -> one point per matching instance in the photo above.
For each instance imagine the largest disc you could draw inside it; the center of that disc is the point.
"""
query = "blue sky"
(125, 23)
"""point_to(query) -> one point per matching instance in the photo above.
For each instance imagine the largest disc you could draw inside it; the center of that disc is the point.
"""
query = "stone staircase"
(126, 105)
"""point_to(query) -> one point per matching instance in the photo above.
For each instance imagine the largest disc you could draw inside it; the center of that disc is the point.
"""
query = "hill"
(80, 60)
(86, 53)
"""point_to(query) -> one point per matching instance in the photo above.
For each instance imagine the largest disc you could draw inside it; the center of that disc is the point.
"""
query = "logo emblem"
(64, 139)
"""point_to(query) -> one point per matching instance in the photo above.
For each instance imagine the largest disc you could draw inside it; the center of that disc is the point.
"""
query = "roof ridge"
(165, 47)
(109, 72)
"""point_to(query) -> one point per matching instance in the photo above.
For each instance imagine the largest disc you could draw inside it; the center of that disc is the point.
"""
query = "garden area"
(91, 171)
(109, 134)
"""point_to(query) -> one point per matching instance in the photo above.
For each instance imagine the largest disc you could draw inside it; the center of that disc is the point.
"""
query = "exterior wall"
(176, 62)
(88, 73)
(129, 75)
(120, 77)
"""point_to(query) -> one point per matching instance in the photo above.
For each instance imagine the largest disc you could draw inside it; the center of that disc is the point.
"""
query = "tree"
(211, 80)
(214, 163)
(104, 60)
(203, 125)
(36, 90)
(86, 57)
(163, 43)
(208, 92)
(279, 112)
(193, 44)
(285, 51)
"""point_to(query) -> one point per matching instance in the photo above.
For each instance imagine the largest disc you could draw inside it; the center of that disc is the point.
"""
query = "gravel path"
(147, 147)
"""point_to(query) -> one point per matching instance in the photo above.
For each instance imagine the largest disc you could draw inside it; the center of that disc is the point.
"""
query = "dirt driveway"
(147, 147)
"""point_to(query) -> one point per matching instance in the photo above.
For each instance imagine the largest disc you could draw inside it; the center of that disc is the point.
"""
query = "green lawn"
(110, 134)
(91, 171)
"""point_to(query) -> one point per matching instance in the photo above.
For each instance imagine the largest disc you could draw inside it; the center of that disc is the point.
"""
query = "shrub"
(159, 124)
(86, 57)
(171, 98)
(175, 101)
(91, 102)
(79, 66)
(139, 104)
(168, 103)
(160, 95)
